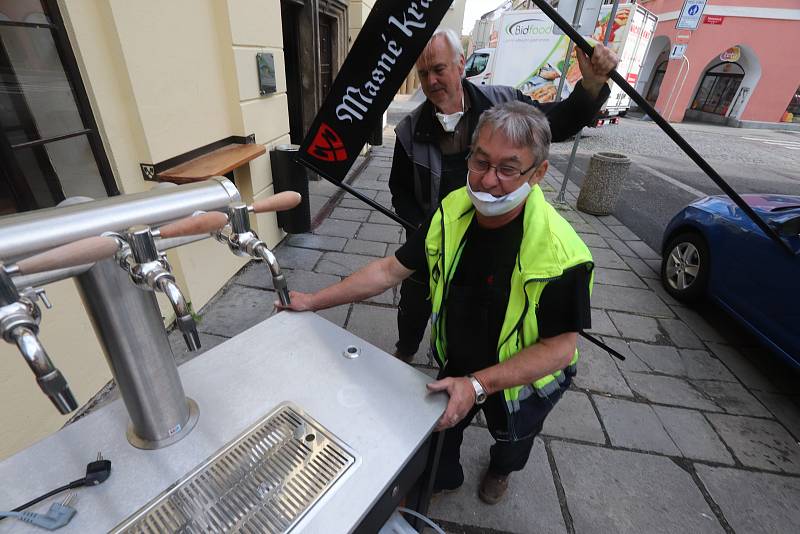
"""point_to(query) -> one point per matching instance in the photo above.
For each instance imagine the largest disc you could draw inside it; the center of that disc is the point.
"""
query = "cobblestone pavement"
(685, 435)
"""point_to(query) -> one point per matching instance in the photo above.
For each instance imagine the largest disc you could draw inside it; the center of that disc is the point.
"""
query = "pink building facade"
(741, 64)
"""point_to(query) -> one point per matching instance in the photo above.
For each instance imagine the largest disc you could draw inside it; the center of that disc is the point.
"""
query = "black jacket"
(417, 161)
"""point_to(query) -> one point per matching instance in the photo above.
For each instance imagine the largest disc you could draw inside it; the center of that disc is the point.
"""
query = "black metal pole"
(668, 129)
(389, 213)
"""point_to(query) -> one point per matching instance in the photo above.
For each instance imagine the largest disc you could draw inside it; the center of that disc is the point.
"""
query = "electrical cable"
(418, 515)
(97, 472)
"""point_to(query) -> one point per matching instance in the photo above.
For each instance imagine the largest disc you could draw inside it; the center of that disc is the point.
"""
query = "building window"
(718, 88)
(655, 84)
(50, 148)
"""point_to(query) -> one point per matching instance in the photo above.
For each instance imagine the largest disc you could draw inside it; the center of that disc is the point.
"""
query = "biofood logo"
(527, 27)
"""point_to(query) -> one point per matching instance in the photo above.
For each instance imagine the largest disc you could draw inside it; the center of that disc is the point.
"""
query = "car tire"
(685, 267)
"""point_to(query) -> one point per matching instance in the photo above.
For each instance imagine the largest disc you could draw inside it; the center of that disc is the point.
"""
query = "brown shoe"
(493, 487)
(408, 358)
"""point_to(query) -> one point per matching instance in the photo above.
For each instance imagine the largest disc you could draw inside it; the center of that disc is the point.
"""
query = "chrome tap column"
(126, 318)
(128, 322)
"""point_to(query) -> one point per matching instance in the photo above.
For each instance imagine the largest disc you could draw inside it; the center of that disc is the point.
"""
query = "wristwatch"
(480, 393)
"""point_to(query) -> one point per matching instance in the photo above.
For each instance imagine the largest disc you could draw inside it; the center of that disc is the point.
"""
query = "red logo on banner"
(327, 145)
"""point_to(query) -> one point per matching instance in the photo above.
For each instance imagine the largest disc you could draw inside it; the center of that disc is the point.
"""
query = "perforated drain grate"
(265, 481)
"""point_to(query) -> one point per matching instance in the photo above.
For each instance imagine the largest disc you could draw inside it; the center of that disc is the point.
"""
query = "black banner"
(385, 50)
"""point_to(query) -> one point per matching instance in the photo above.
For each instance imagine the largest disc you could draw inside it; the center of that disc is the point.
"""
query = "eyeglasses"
(503, 172)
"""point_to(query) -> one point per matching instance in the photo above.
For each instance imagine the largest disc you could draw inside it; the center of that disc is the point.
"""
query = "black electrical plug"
(98, 471)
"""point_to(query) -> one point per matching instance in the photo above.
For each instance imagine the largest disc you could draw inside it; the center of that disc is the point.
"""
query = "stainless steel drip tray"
(266, 480)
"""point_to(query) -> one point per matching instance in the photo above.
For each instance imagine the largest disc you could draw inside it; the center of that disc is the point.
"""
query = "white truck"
(530, 57)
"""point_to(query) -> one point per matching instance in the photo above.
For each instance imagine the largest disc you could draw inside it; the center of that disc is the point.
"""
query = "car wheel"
(685, 267)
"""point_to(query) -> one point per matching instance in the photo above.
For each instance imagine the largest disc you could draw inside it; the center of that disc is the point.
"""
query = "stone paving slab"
(641, 268)
(785, 409)
(616, 277)
(366, 248)
(236, 310)
(693, 435)
(601, 324)
(182, 353)
(598, 372)
(760, 443)
(754, 502)
(629, 493)
(743, 368)
(350, 214)
(574, 418)
(607, 258)
(632, 363)
(630, 299)
(668, 390)
(680, 334)
(375, 324)
(256, 274)
(380, 232)
(731, 397)
(341, 264)
(337, 315)
(316, 242)
(702, 365)
(619, 246)
(636, 327)
(699, 326)
(634, 425)
(338, 228)
(297, 258)
(660, 358)
(531, 504)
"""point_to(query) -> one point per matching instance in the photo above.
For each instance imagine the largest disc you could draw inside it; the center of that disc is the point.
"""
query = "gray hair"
(452, 39)
(523, 125)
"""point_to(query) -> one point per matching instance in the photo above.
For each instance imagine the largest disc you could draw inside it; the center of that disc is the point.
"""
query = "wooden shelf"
(216, 163)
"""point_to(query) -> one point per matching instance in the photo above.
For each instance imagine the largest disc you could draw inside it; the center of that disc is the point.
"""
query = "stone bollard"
(603, 182)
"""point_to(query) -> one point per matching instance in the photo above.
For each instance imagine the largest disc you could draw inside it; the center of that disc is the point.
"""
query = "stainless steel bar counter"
(374, 405)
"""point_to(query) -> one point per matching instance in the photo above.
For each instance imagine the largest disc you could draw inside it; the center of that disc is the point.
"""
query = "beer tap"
(243, 241)
(19, 325)
(149, 268)
(137, 253)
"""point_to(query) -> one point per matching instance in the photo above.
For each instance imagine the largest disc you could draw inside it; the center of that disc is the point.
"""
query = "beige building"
(98, 97)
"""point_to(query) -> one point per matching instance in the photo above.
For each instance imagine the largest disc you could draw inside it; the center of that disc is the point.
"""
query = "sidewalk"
(686, 435)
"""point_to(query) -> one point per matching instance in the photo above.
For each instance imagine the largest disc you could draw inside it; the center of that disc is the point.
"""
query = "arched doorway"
(718, 88)
(655, 84)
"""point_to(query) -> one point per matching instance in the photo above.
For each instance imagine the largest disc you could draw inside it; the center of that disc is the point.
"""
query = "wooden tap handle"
(279, 202)
(88, 250)
(195, 225)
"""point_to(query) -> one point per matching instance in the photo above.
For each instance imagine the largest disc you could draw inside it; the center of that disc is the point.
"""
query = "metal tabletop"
(375, 404)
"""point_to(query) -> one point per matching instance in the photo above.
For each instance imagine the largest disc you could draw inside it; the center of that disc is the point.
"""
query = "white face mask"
(450, 121)
(492, 206)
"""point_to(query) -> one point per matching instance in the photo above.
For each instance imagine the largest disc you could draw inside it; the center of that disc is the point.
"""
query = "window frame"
(15, 178)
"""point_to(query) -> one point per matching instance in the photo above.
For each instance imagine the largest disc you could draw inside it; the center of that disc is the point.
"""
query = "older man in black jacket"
(433, 141)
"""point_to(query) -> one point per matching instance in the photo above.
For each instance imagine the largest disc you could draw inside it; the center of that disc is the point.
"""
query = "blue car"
(712, 249)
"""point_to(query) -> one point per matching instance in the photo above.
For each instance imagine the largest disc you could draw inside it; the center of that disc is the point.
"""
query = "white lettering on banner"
(355, 102)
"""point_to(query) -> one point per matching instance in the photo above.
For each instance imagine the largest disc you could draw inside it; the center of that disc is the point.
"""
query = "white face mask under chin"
(491, 206)
(449, 122)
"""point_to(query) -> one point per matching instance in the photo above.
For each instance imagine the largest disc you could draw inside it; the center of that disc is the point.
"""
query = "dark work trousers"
(505, 457)
(413, 312)
(414, 308)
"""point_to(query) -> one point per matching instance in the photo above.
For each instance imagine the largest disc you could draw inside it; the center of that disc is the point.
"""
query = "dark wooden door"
(327, 25)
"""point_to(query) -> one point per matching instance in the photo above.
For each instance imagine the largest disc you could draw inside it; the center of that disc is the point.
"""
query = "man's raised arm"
(373, 279)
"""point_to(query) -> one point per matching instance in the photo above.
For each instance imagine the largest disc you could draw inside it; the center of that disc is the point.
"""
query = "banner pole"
(553, 15)
(389, 213)
(561, 198)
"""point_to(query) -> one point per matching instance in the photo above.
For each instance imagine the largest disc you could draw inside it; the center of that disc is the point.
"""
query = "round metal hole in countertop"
(351, 352)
